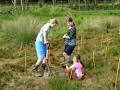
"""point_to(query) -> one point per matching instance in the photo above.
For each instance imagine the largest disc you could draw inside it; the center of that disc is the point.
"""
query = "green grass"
(61, 83)
(21, 27)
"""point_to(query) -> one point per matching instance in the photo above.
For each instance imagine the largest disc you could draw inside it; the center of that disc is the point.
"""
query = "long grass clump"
(22, 30)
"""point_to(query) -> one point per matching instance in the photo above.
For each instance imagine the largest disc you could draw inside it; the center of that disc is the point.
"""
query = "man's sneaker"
(47, 73)
(33, 72)
(43, 66)
(38, 75)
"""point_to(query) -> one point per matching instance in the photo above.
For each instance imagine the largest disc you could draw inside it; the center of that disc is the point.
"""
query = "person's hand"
(66, 66)
(45, 42)
(64, 36)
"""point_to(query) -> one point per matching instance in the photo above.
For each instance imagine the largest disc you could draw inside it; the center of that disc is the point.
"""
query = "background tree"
(14, 3)
(26, 4)
(54, 2)
(21, 1)
(40, 3)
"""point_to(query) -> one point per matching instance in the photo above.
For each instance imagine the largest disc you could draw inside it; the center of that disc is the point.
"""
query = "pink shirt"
(78, 69)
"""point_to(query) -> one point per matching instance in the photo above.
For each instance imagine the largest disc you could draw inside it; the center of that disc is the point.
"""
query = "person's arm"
(71, 67)
(45, 35)
(66, 36)
(72, 32)
(82, 68)
(46, 29)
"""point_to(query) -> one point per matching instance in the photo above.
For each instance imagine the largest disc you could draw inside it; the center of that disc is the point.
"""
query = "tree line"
(78, 3)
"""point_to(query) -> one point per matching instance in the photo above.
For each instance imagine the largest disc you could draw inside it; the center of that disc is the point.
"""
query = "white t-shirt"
(41, 37)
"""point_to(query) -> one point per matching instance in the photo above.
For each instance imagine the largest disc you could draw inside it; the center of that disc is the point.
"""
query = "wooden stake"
(117, 74)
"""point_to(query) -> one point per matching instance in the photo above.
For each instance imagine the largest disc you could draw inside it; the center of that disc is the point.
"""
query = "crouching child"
(76, 70)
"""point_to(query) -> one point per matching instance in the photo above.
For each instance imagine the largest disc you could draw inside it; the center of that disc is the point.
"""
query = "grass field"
(98, 32)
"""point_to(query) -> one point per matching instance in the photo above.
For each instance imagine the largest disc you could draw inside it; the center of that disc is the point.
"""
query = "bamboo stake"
(117, 74)
(107, 47)
(25, 61)
(78, 47)
(94, 59)
(81, 40)
(21, 46)
(102, 41)
(106, 52)
(49, 60)
(107, 41)
(119, 31)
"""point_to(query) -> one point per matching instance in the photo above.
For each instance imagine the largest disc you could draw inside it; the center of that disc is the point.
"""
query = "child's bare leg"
(65, 55)
(44, 63)
(67, 58)
(74, 76)
(38, 62)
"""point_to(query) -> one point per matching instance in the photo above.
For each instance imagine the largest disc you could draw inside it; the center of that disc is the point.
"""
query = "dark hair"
(73, 24)
(69, 19)
(78, 59)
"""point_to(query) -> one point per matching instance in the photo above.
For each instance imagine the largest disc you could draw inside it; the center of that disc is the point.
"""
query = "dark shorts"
(69, 49)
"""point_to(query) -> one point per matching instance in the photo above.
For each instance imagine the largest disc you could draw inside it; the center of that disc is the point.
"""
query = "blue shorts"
(41, 50)
(69, 49)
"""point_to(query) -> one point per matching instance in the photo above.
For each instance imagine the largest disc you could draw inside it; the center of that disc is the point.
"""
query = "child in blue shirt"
(41, 43)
